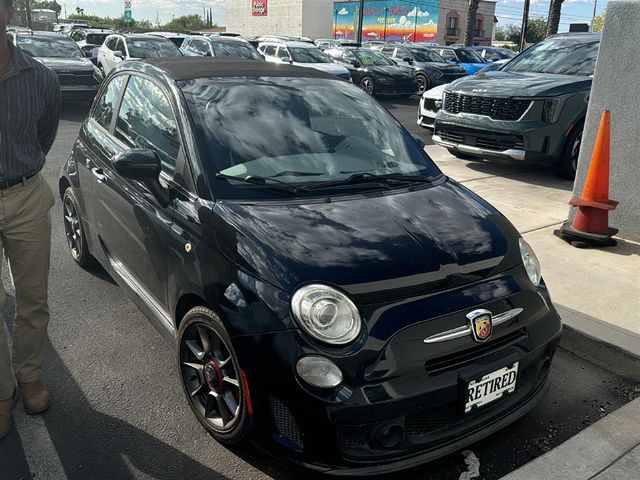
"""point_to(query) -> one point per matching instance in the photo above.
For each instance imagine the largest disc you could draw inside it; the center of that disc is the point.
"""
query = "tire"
(424, 83)
(74, 230)
(219, 378)
(461, 155)
(366, 84)
(568, 164)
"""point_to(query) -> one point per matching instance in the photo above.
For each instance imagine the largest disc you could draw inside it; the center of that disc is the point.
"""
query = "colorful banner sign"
(391, 20)
(259, 8)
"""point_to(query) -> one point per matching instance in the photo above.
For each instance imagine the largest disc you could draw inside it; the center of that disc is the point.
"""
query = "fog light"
(389, 435)
(319, 372)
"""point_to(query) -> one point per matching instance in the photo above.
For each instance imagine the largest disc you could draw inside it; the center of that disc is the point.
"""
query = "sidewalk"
(596, 292)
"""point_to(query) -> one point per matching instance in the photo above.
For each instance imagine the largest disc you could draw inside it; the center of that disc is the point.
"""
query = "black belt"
(4, 184)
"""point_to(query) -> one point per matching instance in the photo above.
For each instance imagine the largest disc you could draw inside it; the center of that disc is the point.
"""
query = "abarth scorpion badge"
(481, 324)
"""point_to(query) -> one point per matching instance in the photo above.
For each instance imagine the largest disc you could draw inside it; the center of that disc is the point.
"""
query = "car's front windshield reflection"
(298, 131)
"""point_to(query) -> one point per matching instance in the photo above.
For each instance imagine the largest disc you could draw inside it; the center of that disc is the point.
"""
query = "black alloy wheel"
(366, 84)
(423, 83)
(74, 232)
(567, 166)
(211, 378)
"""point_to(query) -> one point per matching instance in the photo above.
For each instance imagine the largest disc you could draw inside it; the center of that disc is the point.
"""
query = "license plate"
(491, 387)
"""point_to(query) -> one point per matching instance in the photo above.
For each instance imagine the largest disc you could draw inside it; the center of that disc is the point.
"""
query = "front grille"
(496, 108)
(353, 436)
(429, 420)
(495, 141)
(285, 422)
(86, 79)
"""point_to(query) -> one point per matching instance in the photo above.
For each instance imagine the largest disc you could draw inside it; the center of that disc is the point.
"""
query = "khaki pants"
(25, 237)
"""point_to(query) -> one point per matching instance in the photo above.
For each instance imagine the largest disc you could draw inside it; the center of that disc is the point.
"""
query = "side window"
(111, 43)
(283, 52)
(348, 57)
(449, 55)
(120, 46)
(270, 50)
(103, 113)
(388, 51)
(146, 120)
(201, 47)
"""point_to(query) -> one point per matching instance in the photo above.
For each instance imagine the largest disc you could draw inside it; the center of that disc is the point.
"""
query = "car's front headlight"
(551, 109)
(531, 263)
(326, 314)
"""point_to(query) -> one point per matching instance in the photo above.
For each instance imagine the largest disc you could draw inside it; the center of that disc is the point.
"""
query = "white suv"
(302, 54)
(119, 47)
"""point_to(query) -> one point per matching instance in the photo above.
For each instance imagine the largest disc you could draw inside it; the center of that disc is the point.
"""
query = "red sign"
(259, 8)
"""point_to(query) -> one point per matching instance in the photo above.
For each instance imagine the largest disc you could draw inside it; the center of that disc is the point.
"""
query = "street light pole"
(593, 18)
(525, 22)
(360, 21)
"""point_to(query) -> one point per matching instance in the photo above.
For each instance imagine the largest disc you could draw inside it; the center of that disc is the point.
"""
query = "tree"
(555, 8)
(80, 11)
(470, 30)
(186, 23)
(536, 31)
(598, 23)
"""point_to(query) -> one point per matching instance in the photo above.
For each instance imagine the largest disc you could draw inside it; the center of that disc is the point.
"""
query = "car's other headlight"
(551, 109)
(326, 314)
(531, 263)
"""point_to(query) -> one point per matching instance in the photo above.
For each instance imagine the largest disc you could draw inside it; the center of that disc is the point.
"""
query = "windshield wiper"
(264, 181)
(359, 178)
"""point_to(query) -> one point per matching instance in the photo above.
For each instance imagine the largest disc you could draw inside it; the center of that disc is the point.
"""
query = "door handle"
(97, 172)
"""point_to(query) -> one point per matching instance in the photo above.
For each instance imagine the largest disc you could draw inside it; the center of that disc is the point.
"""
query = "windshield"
(51, 47)
(562, 56)
(370, 58)
(152, 48)
(299, 132)
(308, 55)
(469, 56)
(235, 50)
(424, 55)
(96, 38)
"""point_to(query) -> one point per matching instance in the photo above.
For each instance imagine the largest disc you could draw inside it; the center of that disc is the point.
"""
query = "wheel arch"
(63, 184)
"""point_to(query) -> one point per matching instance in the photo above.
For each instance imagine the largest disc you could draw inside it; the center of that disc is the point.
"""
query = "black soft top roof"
(190, 68)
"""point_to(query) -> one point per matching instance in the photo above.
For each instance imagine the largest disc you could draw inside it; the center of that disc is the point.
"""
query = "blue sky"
(508, 11)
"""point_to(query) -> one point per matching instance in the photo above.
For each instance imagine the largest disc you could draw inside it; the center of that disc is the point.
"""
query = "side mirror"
(87, 54)
(408, 60)
(356, 63)
(143, 165)
(118, 54)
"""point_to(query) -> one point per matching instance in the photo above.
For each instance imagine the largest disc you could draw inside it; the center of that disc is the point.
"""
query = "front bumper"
(512, 153)
(402, 382)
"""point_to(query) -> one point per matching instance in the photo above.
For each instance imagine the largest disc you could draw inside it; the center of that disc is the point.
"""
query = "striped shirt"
(29, 115)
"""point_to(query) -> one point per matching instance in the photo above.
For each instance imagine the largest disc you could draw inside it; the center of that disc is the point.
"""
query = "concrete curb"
(606, 449)
(601, 343)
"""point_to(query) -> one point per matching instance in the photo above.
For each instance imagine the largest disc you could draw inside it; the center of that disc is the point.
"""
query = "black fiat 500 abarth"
(329, 292)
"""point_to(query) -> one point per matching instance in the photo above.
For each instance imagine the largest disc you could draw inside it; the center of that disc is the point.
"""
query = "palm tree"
(555, 8)
(470, 31)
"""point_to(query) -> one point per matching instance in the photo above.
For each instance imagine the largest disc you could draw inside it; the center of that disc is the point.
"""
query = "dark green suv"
(533, 109)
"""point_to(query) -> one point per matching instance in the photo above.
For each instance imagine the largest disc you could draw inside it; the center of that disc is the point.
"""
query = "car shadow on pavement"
(530, 173)
(75, 111)
(92, 444)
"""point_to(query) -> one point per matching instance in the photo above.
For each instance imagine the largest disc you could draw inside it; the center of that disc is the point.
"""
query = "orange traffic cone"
(590, 226)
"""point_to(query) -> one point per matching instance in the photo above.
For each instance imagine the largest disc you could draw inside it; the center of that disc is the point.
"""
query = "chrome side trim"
(161, 314)
(465, 330)
(510, 153)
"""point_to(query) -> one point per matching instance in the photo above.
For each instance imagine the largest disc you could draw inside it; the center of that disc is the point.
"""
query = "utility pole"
(525, 22)
(27, 6)
(593, 18)
(360, 21)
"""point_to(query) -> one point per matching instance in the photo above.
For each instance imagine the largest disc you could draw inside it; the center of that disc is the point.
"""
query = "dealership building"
(436, 21)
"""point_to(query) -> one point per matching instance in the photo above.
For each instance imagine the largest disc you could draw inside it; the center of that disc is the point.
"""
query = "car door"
(132, 224)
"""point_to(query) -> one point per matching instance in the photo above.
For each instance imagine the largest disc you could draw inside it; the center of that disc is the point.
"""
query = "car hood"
(387, 246)
(67, 64)
(326, 67)
(507, 84)
(391, 71)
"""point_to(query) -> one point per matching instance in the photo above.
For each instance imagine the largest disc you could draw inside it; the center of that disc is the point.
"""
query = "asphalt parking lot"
(118, 410)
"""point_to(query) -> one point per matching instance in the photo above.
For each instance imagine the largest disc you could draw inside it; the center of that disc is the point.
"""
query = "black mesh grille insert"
(285, 422)
(496, 108)
(352, 436)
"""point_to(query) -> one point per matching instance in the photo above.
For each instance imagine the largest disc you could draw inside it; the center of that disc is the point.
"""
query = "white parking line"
(42, 457)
